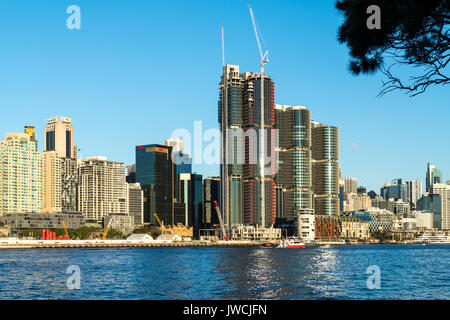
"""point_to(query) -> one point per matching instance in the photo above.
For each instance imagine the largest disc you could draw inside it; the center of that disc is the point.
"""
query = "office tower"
(20, 175)
(350, 185)
(361, 190)
(395, 190)
(325, 169)
(342, 195)
(443, 190)
(433, 176)
(155, 172)
(59, 137)
(131, 174)
(246, 117)
(414, 191)
(294, 173)
(191, 194)
(431, 203)
(179, 158)
(102, 189)
(136, 203)
(59, 167)
(211, 193)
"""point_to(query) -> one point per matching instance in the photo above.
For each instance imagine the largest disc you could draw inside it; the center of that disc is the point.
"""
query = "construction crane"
(65, 229)
(107, 229)
(222, 226)
(162, 226)
(264, 56)
(264, 60)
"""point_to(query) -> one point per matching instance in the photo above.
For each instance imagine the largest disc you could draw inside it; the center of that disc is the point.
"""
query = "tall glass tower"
(325, 168)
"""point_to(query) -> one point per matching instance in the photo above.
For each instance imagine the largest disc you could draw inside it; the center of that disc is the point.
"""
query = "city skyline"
(58, 80)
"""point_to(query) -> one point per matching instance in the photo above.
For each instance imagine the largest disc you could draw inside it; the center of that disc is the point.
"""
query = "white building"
(20, 175)
(424, 220)
(120, 222)
(306, 225)
(102, 189)
(444, 191)
(136, 203)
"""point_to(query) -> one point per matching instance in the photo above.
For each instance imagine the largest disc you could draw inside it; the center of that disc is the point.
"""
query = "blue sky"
(137, 70)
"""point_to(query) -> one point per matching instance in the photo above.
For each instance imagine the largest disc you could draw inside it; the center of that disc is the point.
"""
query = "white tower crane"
(265, 56)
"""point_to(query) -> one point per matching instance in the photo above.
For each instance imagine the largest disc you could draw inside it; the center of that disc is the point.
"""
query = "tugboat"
(291, 243)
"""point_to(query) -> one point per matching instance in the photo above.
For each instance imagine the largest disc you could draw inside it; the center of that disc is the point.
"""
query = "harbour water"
(337, 272)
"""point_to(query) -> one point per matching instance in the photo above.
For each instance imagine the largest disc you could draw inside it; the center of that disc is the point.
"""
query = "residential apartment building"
(20, 175)
(102, 189)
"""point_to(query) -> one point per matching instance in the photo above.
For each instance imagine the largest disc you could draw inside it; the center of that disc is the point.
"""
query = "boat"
(291, 243)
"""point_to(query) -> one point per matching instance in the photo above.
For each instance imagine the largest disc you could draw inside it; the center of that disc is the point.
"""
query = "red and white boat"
(291, 243)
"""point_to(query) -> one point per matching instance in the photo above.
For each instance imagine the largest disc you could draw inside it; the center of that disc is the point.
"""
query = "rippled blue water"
(339, 272)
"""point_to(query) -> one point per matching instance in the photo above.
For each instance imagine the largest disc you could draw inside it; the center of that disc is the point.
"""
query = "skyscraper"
(325, 169)
(246, 117)
(433, 176)
(294, 173)
(102, 189)
(211, 193)
(443, 190)
(20, 175)
(59, 167)
(136, 203)
(155, 172)
(350, 185)
(191, 194)
(59, 137)
(414, 191)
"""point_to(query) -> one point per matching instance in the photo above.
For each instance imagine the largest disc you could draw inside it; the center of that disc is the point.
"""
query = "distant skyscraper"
(156, 174)
(414, 191)
(325, 177)
(20, 175)
(102, 189)
(211, 193)
(32, 132)
(246, 104)
(59, 137)
(433, 176)
(362, 190)
(350, 185)
(191, 194)
(294, 173)
(395, 190)
(136, 203)
(443, 190)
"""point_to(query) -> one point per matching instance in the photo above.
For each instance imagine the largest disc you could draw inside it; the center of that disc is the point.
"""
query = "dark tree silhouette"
(413, 32)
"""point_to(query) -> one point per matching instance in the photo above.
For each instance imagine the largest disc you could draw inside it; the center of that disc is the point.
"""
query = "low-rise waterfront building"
(120, 222)
(353, 228)
(254, 233)
(16, 222)
(326, 227)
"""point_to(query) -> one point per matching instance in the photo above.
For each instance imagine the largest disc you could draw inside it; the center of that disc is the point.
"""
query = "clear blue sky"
(137, 70)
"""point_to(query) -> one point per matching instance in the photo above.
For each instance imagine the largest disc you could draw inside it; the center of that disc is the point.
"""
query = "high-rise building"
(211, 193)
(102, 189)
(395, 190)
(350, 185)
(59, 167)
(155, 172)
(20, 175)
(414, 191)
(325, 169)
(444, 191)
(131, 174)
(294, 173)
(136, 203)
(246, 118)
(59, 137)
(191, 194)
(361, 190)
(433, 176)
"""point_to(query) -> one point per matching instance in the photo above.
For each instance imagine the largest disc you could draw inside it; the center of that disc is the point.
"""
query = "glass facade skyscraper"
(155, 172)
(325, 169)
(294, 173)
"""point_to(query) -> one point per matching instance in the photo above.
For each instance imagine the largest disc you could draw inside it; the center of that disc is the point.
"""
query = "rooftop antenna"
(265, 56)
